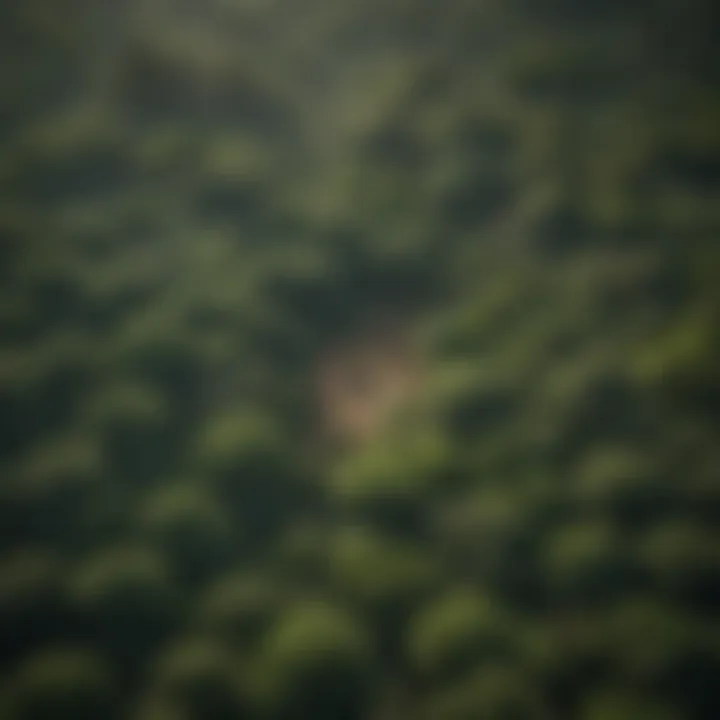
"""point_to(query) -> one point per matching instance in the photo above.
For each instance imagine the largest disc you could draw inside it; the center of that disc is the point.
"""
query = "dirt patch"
(363, 381)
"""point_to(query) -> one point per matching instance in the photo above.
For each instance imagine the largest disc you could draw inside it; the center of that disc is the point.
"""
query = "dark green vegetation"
(196, 198)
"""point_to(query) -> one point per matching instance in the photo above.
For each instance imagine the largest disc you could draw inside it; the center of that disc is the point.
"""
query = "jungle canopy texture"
(359, 360)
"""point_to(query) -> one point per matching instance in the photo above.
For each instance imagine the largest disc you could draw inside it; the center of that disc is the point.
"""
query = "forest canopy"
(359, 361)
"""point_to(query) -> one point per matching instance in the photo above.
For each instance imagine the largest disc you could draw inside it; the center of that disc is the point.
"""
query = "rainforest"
(359, 360)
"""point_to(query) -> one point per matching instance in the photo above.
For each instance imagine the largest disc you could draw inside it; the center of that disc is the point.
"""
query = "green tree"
(456, 632)
(65, 682)
(316, 663)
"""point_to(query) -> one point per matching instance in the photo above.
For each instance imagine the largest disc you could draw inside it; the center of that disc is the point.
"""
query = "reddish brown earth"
(363, 381)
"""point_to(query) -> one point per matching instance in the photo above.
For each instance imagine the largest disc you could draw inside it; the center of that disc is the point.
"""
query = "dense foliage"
(197, 199)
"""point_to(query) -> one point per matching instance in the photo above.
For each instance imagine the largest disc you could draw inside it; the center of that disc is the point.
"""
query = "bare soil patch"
(364, 380)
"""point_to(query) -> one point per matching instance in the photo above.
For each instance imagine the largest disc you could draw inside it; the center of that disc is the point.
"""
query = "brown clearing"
(362, 382)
